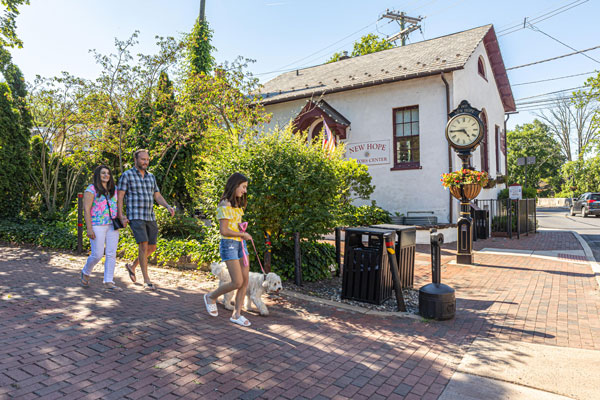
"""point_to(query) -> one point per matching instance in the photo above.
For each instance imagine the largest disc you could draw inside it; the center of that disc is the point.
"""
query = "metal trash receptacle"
(405, 250)
(366, 274)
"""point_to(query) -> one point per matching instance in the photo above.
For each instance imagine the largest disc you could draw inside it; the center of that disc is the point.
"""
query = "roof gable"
(444, 54)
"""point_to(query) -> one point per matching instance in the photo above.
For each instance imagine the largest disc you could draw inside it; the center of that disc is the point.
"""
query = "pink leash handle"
(243, 226)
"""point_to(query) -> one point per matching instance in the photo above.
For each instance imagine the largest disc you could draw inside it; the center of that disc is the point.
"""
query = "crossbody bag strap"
(108, 205)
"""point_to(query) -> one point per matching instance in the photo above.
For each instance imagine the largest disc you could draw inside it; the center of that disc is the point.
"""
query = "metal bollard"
(436, 300)
(268, 252)
(436, 240)
(338, 250)
(297, 260)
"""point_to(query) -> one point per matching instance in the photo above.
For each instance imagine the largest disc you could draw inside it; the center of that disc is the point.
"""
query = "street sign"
(515, 192)
(526, 160)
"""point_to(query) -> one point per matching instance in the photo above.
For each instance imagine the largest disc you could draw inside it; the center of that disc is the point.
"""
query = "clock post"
(464, 225)
(464, 132)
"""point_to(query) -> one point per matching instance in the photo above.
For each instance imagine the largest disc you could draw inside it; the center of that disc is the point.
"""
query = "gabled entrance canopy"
(312, 112)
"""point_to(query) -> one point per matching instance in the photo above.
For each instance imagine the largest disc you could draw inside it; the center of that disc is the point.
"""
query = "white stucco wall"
(482, 94)
(370, 112)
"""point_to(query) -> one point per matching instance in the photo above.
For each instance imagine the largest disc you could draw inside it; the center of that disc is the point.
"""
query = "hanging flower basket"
(470, 180)
(471, 190)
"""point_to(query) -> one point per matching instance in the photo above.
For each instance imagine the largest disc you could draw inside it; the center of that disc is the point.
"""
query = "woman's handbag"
(116, 222)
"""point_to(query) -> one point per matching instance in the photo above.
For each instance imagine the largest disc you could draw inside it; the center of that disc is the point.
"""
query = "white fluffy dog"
(257, 285)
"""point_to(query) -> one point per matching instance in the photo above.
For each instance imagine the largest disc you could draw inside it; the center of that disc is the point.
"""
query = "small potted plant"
(465, 182)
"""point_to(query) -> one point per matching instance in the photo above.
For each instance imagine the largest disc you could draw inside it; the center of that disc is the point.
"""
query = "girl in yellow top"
(229, 213)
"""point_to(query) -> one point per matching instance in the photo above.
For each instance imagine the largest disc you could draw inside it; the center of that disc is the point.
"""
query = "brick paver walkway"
(58, 340)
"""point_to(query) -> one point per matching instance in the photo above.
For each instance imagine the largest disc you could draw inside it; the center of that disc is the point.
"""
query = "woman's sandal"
(131, 272)
(85, 279)
(241, 320)
(211, 308)
(149, 286)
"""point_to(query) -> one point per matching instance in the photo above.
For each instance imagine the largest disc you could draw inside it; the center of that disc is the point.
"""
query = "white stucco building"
(390, 109)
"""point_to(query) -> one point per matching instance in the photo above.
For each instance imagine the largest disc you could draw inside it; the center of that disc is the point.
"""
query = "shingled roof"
(430, 57)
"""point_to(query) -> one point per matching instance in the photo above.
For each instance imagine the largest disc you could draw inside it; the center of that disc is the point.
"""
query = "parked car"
(587, 204)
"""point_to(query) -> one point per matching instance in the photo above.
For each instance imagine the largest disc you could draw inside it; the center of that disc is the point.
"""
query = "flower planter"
(471, 190)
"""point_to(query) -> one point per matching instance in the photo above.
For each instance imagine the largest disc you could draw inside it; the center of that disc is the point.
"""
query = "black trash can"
(405, 250)
(366, 275)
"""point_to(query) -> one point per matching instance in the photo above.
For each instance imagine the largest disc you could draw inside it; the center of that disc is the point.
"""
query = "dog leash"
(243, 226)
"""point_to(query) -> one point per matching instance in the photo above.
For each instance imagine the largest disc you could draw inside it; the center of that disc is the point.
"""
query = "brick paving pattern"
(59, 340)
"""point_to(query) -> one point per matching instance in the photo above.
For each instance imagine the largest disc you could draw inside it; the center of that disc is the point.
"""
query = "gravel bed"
(331, 289)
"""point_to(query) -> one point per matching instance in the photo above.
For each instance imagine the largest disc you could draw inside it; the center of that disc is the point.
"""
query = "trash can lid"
(370, 229)
(395, 227)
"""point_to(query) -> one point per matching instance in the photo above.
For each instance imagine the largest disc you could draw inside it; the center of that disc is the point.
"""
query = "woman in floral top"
(99, 208)
(232, 247)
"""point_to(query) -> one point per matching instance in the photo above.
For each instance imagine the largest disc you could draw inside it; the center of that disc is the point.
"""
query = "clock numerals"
(463, 130)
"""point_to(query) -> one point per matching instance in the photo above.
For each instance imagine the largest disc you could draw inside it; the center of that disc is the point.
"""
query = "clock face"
(463, 131)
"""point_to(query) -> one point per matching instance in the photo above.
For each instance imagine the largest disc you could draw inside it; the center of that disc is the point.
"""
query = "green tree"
(534, 139)
(8, 26)
(60, 147)
(14, 156)
(367, 44)
(199, 49)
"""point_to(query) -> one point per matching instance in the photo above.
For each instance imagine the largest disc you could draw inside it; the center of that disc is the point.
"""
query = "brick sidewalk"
(58, 340)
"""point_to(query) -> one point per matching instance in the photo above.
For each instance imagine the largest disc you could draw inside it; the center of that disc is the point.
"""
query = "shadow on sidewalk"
(88, 340)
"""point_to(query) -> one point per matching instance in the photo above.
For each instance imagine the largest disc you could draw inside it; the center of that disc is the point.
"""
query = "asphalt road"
(559, 219)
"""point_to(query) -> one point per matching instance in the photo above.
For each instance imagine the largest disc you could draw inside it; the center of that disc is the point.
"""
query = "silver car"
(587, 204)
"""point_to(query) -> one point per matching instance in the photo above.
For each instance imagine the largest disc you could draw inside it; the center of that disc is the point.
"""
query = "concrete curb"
(349, 307)
(590, 256)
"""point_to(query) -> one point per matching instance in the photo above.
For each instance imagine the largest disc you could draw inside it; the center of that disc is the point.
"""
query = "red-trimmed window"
(497, 149)
(483, 147)
(406, 138)
(481, 67)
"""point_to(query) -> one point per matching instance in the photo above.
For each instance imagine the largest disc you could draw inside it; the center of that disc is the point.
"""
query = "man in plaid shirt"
(138, 188)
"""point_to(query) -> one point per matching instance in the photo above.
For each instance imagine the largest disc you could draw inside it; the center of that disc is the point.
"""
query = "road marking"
(590, 256)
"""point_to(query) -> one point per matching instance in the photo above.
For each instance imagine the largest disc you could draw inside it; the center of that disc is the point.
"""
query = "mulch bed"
(331, 289)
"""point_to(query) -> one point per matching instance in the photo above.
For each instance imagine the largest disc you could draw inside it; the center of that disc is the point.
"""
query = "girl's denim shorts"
(232, 249)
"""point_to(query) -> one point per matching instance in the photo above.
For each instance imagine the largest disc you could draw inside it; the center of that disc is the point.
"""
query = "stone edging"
(349, 307)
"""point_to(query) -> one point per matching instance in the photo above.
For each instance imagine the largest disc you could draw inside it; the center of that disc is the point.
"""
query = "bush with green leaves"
(364, 215)
(293, 187)
(55, 235)
(14, 156)
(316, 258)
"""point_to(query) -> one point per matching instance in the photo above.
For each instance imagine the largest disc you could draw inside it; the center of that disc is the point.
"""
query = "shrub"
(364, 215)
(40, 233)
(316, 259)
(294, 186)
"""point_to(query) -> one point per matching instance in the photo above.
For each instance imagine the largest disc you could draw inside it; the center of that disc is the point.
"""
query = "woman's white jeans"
(105, 235)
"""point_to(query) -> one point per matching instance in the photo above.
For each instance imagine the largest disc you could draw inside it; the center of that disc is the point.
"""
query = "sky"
(288, 34)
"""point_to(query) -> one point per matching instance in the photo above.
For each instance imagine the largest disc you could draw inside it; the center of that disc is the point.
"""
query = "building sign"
(369, 153)
(515, 192)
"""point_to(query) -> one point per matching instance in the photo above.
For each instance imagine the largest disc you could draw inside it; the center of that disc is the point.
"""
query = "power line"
(318, 51)
(545, 94)
(553, 79)
(535, 28)
(553, 58)
(541, 18)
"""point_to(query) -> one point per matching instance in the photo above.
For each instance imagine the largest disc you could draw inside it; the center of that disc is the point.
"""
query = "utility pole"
(202, 4)
(402, 19)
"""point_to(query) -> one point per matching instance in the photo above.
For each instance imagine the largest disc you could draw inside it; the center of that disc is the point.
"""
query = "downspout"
(506, 155)
(506, 146)
(451, 217)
